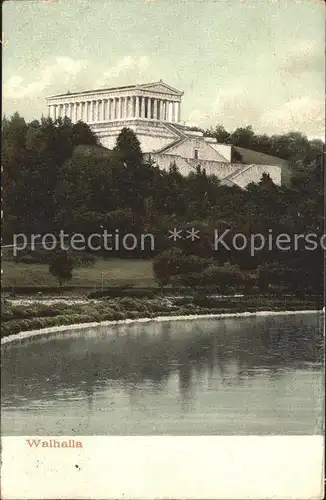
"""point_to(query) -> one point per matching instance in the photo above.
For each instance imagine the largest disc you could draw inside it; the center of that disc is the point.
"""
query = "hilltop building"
(153, 112)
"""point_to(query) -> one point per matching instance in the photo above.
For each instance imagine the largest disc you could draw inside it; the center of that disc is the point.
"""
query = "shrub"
(61, 266)
(223, 277)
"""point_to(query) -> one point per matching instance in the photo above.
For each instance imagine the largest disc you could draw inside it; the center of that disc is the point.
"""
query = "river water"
(244, 375)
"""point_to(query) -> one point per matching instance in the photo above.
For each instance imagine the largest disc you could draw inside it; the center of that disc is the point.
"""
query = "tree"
(243, 137)
(224, 277)
(82, 134)
(128, 148)
(61, 266)
(166, 265)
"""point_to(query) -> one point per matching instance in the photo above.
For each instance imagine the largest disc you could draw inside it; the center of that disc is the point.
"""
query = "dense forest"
(57, 177)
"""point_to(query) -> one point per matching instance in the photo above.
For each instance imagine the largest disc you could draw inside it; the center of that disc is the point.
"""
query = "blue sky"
(239, 62)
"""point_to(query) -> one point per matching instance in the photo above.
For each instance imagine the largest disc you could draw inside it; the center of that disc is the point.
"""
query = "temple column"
(101, 110)
(111, 109)
(137, 107)
(121, 108)
(117, 108)
(50, 113)
(129, 106)
(96, 111)
(149, 108)
(142, 107)
(160, 114)
(125, 112)
(89, 111)
(155, 109)
(179, 112)
(114, 102)
(107, 109)
(119, 113)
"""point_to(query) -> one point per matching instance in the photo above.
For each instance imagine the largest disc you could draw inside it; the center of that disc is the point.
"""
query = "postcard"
(163, 243)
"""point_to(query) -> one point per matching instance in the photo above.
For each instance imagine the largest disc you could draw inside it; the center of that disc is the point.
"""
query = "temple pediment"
(160, 87)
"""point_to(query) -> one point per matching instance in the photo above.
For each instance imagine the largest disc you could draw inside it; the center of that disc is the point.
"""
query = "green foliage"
(18, 319)
(224, 277)
(128, 148)
(57, 177)
(61, 266)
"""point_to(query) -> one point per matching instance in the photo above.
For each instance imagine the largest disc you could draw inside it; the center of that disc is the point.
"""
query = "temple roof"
(159, 87)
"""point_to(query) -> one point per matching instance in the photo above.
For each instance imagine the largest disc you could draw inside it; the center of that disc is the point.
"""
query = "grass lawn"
(110, 272)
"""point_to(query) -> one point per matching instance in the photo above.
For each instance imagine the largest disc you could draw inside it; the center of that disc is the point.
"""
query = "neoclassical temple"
(153, 112)
(151, 102)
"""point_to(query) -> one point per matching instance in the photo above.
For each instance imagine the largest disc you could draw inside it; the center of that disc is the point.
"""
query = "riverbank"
(37, 316)
(103, 273)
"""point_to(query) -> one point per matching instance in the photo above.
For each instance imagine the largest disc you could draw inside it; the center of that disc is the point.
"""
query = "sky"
(238, 62)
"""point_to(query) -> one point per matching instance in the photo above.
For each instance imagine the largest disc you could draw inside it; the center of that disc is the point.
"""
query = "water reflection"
(159, 360)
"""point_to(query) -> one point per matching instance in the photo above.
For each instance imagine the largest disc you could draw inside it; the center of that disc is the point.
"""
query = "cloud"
(303, 114)
(129, 68)
(231, 107)
(306, 57)
(236, 106)
(62, 71)
(65, 73)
